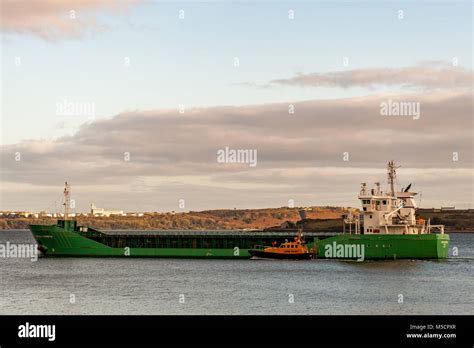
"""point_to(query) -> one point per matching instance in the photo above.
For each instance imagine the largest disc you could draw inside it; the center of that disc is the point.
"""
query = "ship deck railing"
(214, 233)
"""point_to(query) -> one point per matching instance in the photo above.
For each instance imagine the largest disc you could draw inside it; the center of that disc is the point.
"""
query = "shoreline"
(207, 230)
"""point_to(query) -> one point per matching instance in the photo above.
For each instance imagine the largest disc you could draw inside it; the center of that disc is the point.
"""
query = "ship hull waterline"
(260, 254)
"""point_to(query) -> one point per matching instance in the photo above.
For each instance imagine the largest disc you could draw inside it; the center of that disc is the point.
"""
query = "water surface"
(156, 286)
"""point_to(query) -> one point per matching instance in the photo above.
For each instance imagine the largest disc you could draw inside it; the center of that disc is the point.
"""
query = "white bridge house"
(388, 212)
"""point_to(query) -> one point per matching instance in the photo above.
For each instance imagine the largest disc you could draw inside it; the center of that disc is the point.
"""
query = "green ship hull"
(384, 246)
(68, 239)
(65, 240)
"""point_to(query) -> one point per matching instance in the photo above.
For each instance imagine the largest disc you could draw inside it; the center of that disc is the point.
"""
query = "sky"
(131, 101)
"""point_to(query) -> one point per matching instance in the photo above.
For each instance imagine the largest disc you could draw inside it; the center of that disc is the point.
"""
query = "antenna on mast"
(392, 174)
(67, 200)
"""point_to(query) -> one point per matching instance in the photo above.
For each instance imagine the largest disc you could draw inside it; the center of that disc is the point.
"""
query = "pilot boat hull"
(287, 256)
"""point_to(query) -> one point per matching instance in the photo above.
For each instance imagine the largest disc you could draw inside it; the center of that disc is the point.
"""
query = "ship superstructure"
(386, 227)
(391, 212)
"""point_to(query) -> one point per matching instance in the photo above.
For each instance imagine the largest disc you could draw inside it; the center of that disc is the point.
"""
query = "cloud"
(430, 75)
(300, 155)
(51, 19)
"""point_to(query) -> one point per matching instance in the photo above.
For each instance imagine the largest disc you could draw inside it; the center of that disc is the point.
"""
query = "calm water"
(154, 286)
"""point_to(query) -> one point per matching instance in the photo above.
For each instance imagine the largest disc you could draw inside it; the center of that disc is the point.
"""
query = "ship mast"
(391, 176)
(67, 200)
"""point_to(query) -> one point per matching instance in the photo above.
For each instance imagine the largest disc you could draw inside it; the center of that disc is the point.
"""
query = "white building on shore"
(95, 211)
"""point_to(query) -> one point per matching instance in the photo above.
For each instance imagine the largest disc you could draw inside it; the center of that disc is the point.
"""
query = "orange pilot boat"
(296, 250)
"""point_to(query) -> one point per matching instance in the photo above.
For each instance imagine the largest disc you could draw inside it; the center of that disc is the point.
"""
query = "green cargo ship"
(386, 228)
